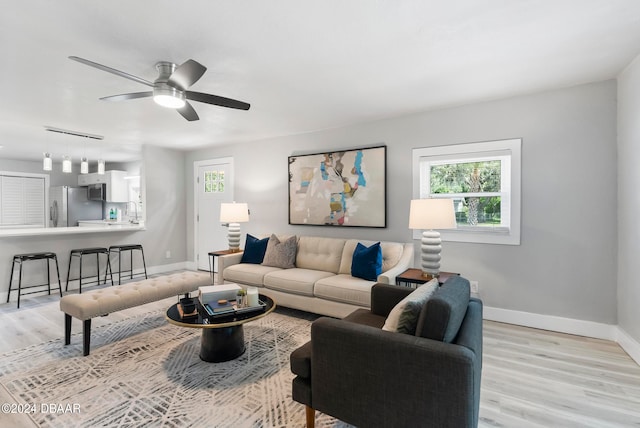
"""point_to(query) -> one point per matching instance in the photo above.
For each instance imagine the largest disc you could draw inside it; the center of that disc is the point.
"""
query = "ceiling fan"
(170, 88)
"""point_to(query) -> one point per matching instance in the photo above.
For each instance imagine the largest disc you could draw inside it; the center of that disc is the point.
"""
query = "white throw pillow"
(403, 318)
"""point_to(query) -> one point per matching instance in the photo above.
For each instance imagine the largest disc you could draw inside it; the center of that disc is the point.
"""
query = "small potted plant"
(241, 298)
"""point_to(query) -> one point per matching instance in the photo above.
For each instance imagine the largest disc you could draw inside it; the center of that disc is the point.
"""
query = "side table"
(413, 278)
(214, 254)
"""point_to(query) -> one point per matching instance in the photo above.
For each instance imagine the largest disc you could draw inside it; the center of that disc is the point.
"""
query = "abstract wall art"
(340, 188)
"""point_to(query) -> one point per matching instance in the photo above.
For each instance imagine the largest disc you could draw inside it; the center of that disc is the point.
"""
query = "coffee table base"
(222, 344)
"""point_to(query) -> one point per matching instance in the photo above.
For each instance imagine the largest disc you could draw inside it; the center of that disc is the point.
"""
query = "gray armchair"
(368, 377)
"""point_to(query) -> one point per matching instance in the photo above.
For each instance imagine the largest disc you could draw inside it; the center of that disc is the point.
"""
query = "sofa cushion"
(391, 254)
(403, 318)
(254, 250)
(295, 281)
(281, 254)
(247, 273)
(443, 314)
(366, 262)
(320, 253)
(346, 289)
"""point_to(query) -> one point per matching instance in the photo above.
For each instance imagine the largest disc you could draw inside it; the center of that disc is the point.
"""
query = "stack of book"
(220, 307)
(230, 308)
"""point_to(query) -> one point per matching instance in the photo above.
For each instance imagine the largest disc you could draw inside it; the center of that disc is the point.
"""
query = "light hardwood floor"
(531, 378)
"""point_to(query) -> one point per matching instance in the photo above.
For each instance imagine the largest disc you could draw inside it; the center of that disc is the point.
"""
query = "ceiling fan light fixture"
(47, 162)
(169, 97)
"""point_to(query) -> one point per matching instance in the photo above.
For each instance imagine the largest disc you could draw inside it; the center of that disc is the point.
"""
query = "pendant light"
(66, 164)
(47, 163)
(100, 166)
(84, 164)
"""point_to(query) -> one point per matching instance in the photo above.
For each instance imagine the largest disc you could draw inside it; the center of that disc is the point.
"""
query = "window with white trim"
(483, 179)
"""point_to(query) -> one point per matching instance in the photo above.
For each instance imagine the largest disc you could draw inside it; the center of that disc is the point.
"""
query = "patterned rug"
(145, 372)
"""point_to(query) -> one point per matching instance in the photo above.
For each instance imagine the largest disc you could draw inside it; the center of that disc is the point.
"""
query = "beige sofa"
(321, 282)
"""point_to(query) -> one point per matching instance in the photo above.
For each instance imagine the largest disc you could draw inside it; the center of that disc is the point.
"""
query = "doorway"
(213, 185)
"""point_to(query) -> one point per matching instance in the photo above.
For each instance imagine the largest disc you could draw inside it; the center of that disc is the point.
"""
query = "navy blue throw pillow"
(367, 262)
(254, 250)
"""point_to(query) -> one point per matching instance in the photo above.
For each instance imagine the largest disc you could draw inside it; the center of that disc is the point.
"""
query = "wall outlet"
(168, 254)
(474, 286)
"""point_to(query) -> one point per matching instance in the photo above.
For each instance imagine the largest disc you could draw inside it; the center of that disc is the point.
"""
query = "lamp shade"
(234, 213)
(432, 214)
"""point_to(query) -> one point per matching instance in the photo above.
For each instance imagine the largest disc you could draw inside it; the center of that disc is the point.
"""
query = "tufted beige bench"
(112, 299)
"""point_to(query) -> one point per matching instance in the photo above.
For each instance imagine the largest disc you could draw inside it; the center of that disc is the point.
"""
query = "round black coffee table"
(222, 336)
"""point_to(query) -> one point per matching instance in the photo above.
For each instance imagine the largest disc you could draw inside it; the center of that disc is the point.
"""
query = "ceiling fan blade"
(111, 70)
(188, 112)
(216, 100)
(186, 74)
(130, 96)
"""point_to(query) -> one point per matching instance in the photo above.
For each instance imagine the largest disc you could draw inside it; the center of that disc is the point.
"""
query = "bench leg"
(86, 335)
(67, 329)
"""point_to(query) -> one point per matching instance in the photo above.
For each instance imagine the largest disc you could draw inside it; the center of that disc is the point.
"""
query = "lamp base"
(431, 248)
(233, 235)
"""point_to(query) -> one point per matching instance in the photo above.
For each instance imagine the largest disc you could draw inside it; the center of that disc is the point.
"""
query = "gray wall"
(164, 174)
(165, 226)
(566, 264)
(56, 176)
(629, 199)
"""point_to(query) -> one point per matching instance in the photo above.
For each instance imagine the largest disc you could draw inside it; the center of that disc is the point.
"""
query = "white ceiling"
(302, 65)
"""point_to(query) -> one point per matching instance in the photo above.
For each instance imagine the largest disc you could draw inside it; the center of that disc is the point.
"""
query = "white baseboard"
(191, 265)
(567, 325)
(630, 346)
(152, 270)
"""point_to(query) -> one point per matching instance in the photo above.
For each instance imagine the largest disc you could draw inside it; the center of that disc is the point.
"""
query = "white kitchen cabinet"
(93, 178)
(117, 190)
(83, 180)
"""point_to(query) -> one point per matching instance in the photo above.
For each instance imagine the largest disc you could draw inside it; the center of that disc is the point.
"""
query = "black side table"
(413, 278)
(214, 254)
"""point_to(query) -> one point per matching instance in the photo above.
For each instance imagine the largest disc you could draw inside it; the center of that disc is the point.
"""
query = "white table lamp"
(234, 214)
(430, 214)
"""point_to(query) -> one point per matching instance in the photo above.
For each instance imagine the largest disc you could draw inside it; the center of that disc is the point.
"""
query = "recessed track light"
(74, 133)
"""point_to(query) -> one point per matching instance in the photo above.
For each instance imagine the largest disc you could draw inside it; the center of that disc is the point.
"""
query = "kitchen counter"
(97, 228)
(103, 223)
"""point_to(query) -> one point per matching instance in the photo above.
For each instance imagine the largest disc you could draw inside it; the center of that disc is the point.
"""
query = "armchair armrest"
(226, 261)
(386, 297)
(391, 379)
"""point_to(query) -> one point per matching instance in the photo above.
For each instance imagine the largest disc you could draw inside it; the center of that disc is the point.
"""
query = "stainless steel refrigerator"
(67, 205)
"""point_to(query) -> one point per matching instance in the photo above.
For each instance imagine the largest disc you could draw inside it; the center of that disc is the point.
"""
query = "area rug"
(144, 372)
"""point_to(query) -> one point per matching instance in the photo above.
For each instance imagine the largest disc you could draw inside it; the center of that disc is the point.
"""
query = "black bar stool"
(20, 259)
(79, 252)
(119, 249)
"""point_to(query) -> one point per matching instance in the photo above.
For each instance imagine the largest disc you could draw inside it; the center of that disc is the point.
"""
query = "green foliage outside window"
(470, 177)
(214, 181)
